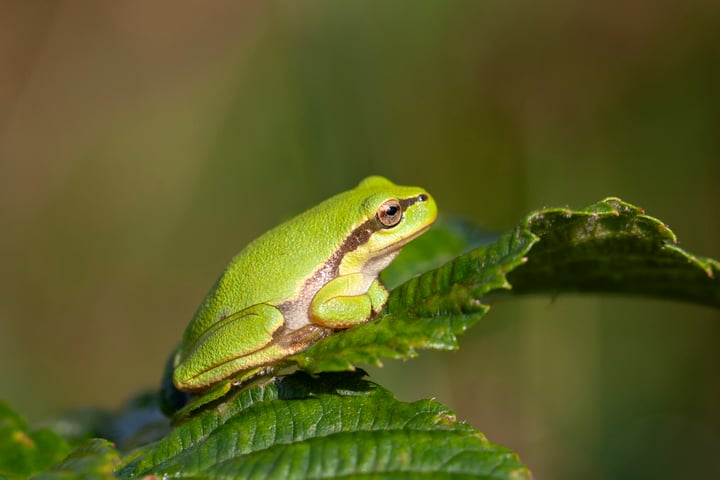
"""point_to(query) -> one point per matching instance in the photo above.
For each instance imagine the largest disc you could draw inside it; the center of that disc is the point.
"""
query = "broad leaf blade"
(336, 425)
(609, 247)
(613, 247)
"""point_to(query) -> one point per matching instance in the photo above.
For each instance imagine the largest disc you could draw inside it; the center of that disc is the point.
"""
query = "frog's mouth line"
(395, 247)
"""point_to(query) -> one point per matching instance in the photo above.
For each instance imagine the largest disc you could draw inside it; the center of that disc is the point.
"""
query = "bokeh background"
(143, 143)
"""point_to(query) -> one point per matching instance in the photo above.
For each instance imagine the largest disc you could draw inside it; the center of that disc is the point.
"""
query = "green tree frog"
(298, 282)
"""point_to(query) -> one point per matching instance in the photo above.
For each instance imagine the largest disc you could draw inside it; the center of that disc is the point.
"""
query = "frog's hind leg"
(241, 341)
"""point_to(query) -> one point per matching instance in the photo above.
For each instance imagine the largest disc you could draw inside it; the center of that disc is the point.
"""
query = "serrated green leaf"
(609, 247)
(613, 247)
(24, 451)
(335, 425)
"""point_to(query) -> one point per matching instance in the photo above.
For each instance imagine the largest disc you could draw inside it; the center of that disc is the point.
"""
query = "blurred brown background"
(143, 143)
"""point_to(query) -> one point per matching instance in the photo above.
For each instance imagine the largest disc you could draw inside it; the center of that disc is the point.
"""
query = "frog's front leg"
(343, 303)
(378, 295)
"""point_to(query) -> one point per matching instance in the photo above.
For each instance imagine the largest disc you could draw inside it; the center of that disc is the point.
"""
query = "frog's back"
(275, 267)
(281, 261)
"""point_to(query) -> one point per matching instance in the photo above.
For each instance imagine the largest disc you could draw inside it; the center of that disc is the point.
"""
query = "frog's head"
(392, 215)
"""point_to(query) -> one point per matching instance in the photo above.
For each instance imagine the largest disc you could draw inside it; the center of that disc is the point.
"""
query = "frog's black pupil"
(392, 210)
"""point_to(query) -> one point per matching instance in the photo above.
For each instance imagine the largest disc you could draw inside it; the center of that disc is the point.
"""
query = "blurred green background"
(143, 143)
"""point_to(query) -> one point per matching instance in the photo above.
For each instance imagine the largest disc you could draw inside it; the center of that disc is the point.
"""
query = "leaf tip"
(665, 231)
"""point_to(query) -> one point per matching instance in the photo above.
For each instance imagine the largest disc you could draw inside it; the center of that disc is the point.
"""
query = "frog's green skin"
(313, 274)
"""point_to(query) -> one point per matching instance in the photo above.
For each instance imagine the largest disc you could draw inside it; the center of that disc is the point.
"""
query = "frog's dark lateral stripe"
(331, 268)
(362, 234)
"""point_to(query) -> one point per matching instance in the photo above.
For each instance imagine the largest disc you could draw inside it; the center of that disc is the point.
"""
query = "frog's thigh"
(338, 305)
(238, 342)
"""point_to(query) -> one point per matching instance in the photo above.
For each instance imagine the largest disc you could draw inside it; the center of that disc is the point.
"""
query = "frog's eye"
(390, 213)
